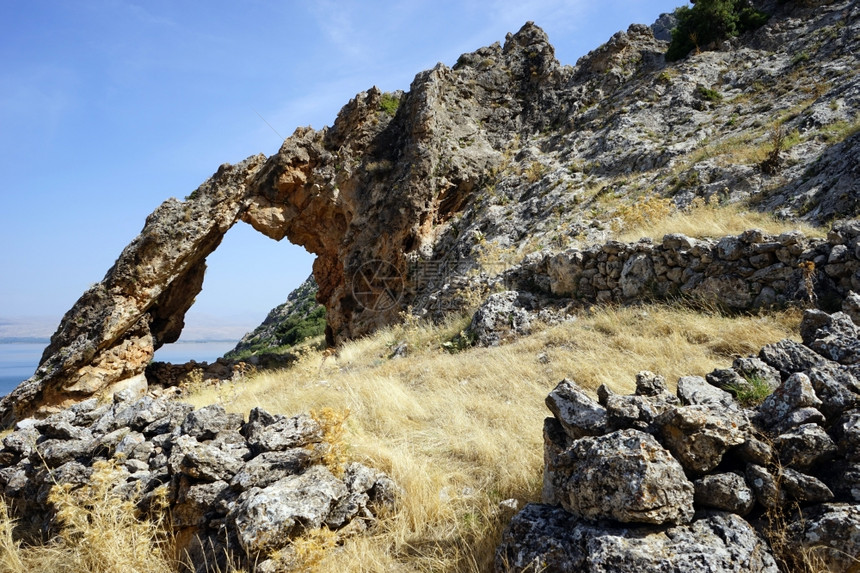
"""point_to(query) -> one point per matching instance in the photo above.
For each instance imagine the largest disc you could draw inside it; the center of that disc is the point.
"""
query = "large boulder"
(626, 476)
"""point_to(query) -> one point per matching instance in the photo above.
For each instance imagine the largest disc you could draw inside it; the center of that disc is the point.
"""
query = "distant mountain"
(32, 328)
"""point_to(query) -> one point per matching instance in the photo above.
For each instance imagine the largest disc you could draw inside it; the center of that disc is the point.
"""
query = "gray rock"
(87, 412)
(265, 518)
(637, 412)
(754, 368)
(653, 386)
(851, 306)
(719, 542)
(835, 388)
(804, 488)
(627, 476)
(172, 420)
(283, 433)
(843, 479)
(350, 506)
(789, 357)
(233, 443)
(662, 29)
(838, 339)
(58, 429)
(18, 481)
(754, 451)
(74, 473)
(796, 392)
(384, 494)
(727, 380)
(197, 503)
(544, 538)
(727, 491)
(694, 390)
(797, 418)
(765, 486)
(637, 276)
(208, 421)
(698, 436)
(805, 446)
(730, 248)
(555, 441)
(21, 442)
(106, 444)
(55, 453)
(846, 432)
(578, 414)
(813, 319)
(830, 534)
(269, 467)
(728, 290)
(503, 315)
(202, 461)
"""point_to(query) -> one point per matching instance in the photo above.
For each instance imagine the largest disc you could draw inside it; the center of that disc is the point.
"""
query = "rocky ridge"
(636, 128)
(507, 149)
(692, 480)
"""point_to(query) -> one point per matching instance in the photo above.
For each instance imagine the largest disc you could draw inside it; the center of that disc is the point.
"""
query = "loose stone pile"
(234, 487)
(693, 481)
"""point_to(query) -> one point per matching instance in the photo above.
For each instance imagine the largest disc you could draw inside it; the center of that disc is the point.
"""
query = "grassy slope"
(461, 432)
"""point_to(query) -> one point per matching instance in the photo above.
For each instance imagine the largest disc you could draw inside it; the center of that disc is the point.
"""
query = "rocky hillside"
(288, 324)
(506, 172)
(572, 155)
(417, 199)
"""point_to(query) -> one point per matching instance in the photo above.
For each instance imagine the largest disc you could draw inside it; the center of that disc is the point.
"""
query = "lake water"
(18, 360)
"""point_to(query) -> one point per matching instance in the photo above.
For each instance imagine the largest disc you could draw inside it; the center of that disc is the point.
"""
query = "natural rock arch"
(370, 188)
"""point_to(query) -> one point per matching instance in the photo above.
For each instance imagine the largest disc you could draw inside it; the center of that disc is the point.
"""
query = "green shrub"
(389, 103)
(752, 393)
(711, 21)
(295, 329)
(709, 94)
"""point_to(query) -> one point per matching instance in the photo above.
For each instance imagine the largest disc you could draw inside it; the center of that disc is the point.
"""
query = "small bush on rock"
(752, 393)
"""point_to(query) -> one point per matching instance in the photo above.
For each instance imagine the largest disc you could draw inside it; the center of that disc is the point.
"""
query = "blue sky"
(109, 107)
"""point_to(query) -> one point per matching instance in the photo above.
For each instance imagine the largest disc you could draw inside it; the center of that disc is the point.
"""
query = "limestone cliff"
(508, 148)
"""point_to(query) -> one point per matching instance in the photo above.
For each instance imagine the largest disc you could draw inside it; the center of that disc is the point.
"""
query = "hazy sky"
(109, 107)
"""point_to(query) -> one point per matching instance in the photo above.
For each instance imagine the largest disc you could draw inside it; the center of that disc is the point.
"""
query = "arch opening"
(246, 276)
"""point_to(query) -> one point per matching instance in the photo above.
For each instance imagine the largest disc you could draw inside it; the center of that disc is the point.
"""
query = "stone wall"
(741, 272)
(694, 481)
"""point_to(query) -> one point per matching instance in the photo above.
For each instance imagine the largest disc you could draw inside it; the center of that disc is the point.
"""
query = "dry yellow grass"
(461, 432)
(98, 533)
(703, 220)
(458, 432)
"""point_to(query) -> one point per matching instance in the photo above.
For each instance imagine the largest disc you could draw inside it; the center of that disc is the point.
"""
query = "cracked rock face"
(626, 476)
